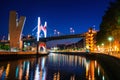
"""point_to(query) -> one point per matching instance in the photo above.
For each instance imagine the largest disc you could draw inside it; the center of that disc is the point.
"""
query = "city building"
(90, 40)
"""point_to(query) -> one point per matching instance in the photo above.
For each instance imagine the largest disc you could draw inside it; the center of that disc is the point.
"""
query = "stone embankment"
(19, 55)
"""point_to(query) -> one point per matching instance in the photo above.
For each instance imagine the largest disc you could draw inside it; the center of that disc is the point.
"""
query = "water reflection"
(76, 68)
(52, 67)
(40, 71)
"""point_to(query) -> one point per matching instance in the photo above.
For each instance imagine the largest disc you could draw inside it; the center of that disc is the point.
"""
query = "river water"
(52, 67)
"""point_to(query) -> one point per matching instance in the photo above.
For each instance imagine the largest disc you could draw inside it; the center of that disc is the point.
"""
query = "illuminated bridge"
(42, 47)
(55, 37)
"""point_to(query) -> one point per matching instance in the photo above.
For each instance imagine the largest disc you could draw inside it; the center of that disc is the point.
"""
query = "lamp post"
(58, 33)
(55, 31)
(103, 47)
(110, 40)
(71, 30)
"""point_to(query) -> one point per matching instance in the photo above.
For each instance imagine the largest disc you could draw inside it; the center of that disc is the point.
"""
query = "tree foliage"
(110, 25)
(4, 47)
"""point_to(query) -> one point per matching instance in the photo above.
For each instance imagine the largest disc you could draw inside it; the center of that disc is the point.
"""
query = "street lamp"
(55, 31)
(103, 47)
(71, 30)
(102, 44)
(58, 33)
(110, 40)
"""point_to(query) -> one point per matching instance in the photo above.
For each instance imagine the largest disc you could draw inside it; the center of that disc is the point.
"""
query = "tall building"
(15, 29)
(90, 41)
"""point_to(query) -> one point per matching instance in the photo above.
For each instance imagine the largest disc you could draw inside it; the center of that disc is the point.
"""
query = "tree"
(110, 25)
(4, 47)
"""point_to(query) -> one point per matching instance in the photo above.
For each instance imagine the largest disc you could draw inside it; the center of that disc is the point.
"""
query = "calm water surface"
(52, 67)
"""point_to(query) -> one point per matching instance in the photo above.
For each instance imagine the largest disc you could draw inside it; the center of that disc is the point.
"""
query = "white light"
(55, 30)
(43, 63)
(103, 78)
(98, 71)
(38, 31)
(45, 24)
(102, 44)
(37, 75)
(71, 28)
(73, 31)
(58, 33)
(110, 38)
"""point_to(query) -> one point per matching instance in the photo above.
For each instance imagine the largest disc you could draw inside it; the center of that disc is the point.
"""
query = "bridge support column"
(42, 47)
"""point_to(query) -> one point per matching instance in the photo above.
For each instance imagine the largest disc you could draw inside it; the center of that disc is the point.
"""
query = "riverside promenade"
(117, 55)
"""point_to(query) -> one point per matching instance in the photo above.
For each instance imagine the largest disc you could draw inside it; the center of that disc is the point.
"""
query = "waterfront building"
(90, 39)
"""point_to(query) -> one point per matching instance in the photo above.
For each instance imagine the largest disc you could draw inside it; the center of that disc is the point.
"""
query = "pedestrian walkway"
(115, 55)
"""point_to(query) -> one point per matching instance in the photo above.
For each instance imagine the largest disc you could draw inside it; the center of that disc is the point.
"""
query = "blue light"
(17, 70)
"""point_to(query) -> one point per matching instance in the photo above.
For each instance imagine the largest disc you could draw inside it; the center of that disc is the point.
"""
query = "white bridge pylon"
(41, 28)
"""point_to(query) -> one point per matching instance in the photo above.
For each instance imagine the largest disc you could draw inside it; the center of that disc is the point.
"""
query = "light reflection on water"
(52, 67)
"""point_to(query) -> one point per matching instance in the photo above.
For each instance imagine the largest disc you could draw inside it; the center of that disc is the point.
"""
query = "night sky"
(59, 14)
